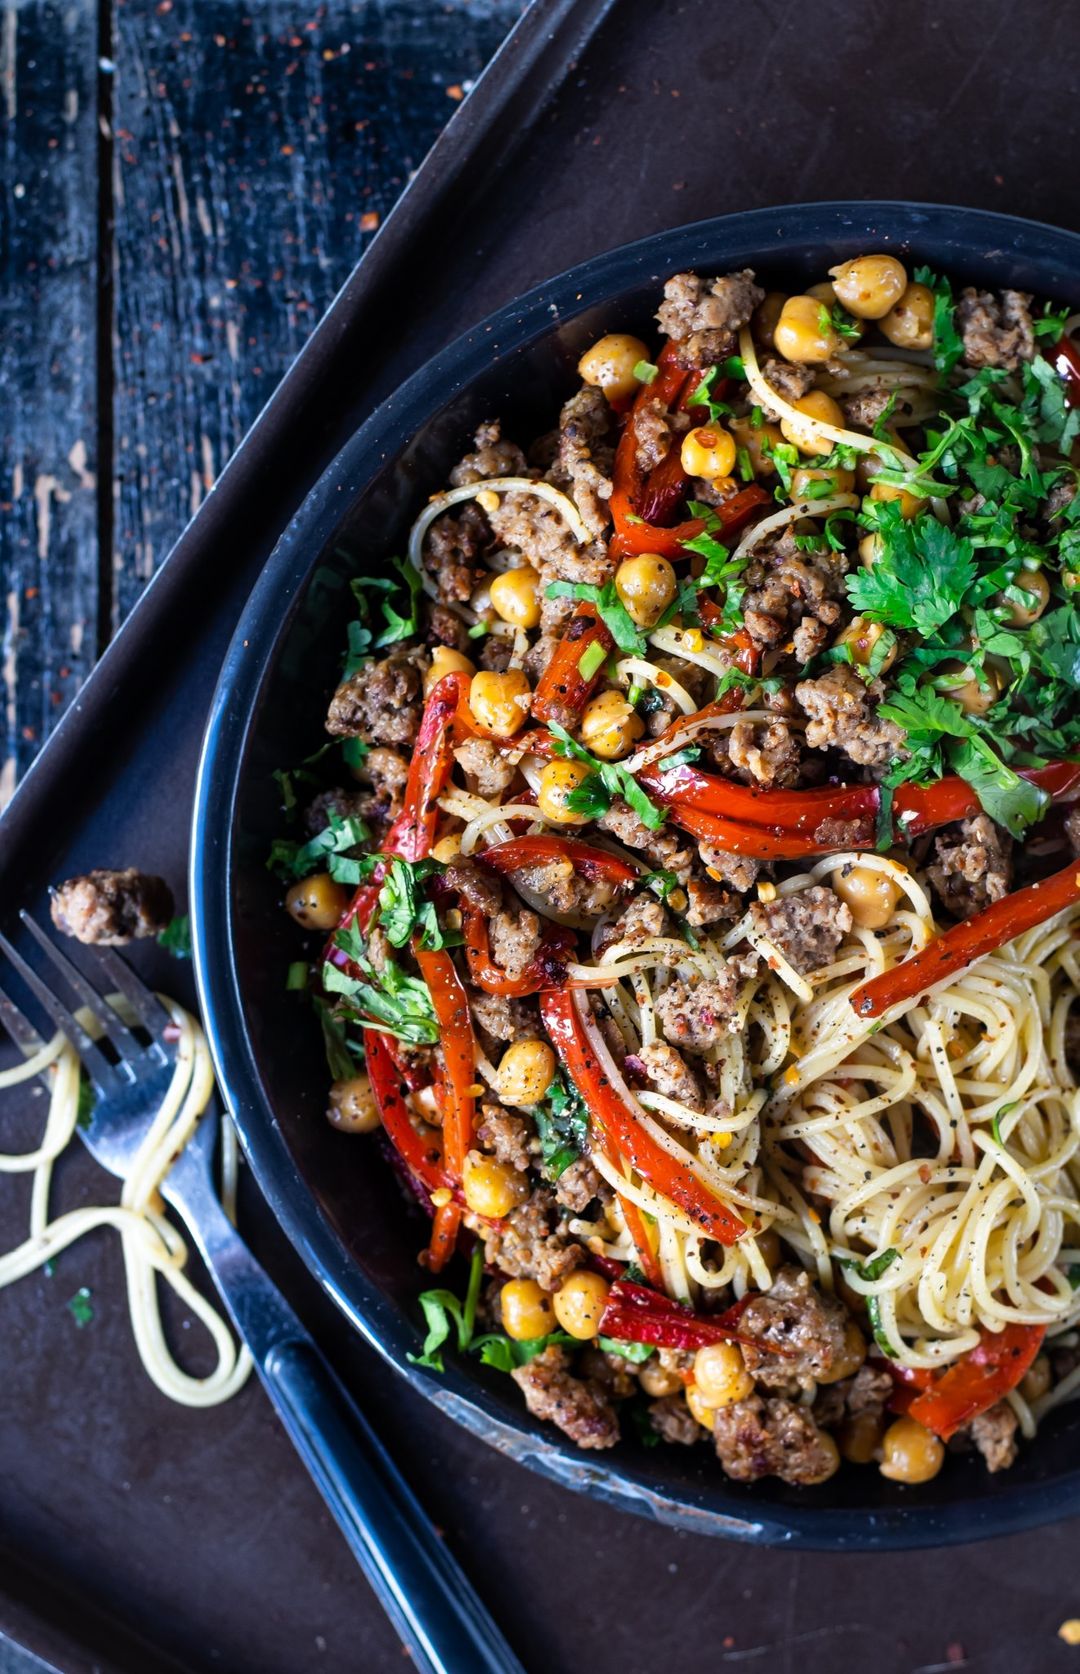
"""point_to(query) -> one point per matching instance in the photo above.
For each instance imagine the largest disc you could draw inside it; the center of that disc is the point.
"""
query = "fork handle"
(419, 1584)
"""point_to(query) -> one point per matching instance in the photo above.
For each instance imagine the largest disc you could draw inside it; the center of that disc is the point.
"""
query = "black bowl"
(336, 1200)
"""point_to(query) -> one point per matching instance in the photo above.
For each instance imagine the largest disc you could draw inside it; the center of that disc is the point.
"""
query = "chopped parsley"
(342, 1056)
(324, 852)
(645, 372)
(386, 998)
(948, 343)
(176, 937)
(922, 578)
(610, 609)
(562, 1122)
(404, 911)
(607, 780)
(80, 1307)
(445, 1315)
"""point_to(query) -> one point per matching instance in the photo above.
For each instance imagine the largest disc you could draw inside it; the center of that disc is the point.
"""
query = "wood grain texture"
(48, 308)
(256, 151)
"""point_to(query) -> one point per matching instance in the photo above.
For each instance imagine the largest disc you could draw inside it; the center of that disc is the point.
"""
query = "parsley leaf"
(1013, 802)
(398, 626)
(608, 779)
(339, 1054)
(397, 1003)
(297, 860)
(609, 607)
(923, 574)
(562, 1122)
(404, 911)
(176, 937)
(948, 343)
(442, 1310)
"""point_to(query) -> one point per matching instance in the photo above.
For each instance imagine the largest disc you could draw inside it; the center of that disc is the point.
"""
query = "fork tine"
(19, 1027)
(144, 1002)
(114, 1026)
(97, 1066)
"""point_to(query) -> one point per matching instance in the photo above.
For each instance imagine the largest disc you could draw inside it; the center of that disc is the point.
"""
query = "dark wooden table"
(186, 184)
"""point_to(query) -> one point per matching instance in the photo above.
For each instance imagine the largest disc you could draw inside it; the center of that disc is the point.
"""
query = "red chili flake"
(369, 220)
(454, 91)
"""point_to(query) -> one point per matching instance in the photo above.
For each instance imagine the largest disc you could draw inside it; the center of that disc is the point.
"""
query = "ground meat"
(787, 586)
(502, 1018)
(766, 752)
(868, 1391)
(671, 1075)
(538, 530)
(505, 1135)
(807, 927)
(664, 848)
(996, 333)
(385, 771)
(698, 1014)
(381, 703)
(994, 1434)
(532, 1242)
(111, 908)
(566, 891)
(577, 1186)
(739, 870)
(445, 627)
(972, 866)
(704, 314)
(486, 768)
(756, 1438)
(583, 462)
(810, 637)
(789, 381)
(832, 833)
(496, 652)
(643, 917)
(343, 804)
(580, 1408)
(654, 428)
(611, 1371)
(796, 1317)
(711, 903)
(838, 705)
(673, 1421)
(864, 410)
(514, 938)
(493, 458)
(455, 542)
(478, 887)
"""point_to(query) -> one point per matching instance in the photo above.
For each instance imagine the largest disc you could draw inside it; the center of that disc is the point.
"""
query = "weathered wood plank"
(256, 150)
(48, 308)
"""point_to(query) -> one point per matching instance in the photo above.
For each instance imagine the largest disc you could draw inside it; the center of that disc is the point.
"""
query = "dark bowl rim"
(719, 1510)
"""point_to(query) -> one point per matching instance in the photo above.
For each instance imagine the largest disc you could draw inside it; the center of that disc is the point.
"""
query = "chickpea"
(755, 438)
(836, 481)
(826, 293)
(830, 1460)
(869, 286)
(870, 550)
(910, 322)
(863, 637)
(870, 894)
(352, 1106)
(720, 1375)
(910, 1453)
(526, 1310)
(658, 1380)
(708, 452)
(850, 1358)
(766, 314)
(526, 1071)
(804, 333)
(317, 903)
(1035, 588)
(609, 364)
(960, 683)
(445, 661)
(557, 781)
(515, 596)
(859, 1437)
(1037, 1379)
(447, 848)
(492, 1188)
(580, 1301)
(815, 404)
(499, 702)
(700, 1407)
(646, 586)
(610, 725)
(910, 504)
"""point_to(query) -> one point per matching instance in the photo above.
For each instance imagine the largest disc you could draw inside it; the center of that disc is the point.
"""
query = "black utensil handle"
(419, 1583)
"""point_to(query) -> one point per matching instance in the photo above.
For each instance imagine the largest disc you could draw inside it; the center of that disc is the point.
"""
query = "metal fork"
(419, 1584)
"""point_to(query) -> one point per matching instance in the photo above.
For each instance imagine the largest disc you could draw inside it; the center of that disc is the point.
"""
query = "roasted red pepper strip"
(458, 1046)
(546, 969)
(639, 1232)
(743, 839)
(632, 538)
(534, 851)
(444, 1231)
(964, 943)
(635, 1314)
(744, 653)
(621, 1129)
(413, 832)
(562, 690)
(420, 1157)
(1066, 359)
(975, 1383)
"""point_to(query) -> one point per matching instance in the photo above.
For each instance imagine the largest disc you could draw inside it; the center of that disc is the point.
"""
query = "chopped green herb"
(609, 607)
(296, 977)
(340, 1058)
(636, 1353)
(87, 1101)
(921, 578)
(395, 1002)
(645, 372)
(176, 937)
(591, 660)
(608, 779)
(442, 1310)
(562, 1122)
(298, 860)
(884, 834)
(80, 1307)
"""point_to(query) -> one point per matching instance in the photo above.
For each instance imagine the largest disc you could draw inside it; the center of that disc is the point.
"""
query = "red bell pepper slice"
(635, 1314)
(647, 1257)
(413, 832)
(977, 1381)
(445, 1225)
(632, 538)
(964, 943)
(1066, 359)
(744, 653)
(458, 1044)
(420, 1156)
(546, 969)
(562, 690)
(621, 1129)
(591, 862)
(743, 839)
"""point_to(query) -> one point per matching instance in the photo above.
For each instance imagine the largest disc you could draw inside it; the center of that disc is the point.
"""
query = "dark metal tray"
(134, 1536)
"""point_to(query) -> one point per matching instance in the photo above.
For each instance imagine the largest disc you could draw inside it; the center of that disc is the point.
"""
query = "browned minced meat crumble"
(111, 908)
(803, 1347)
